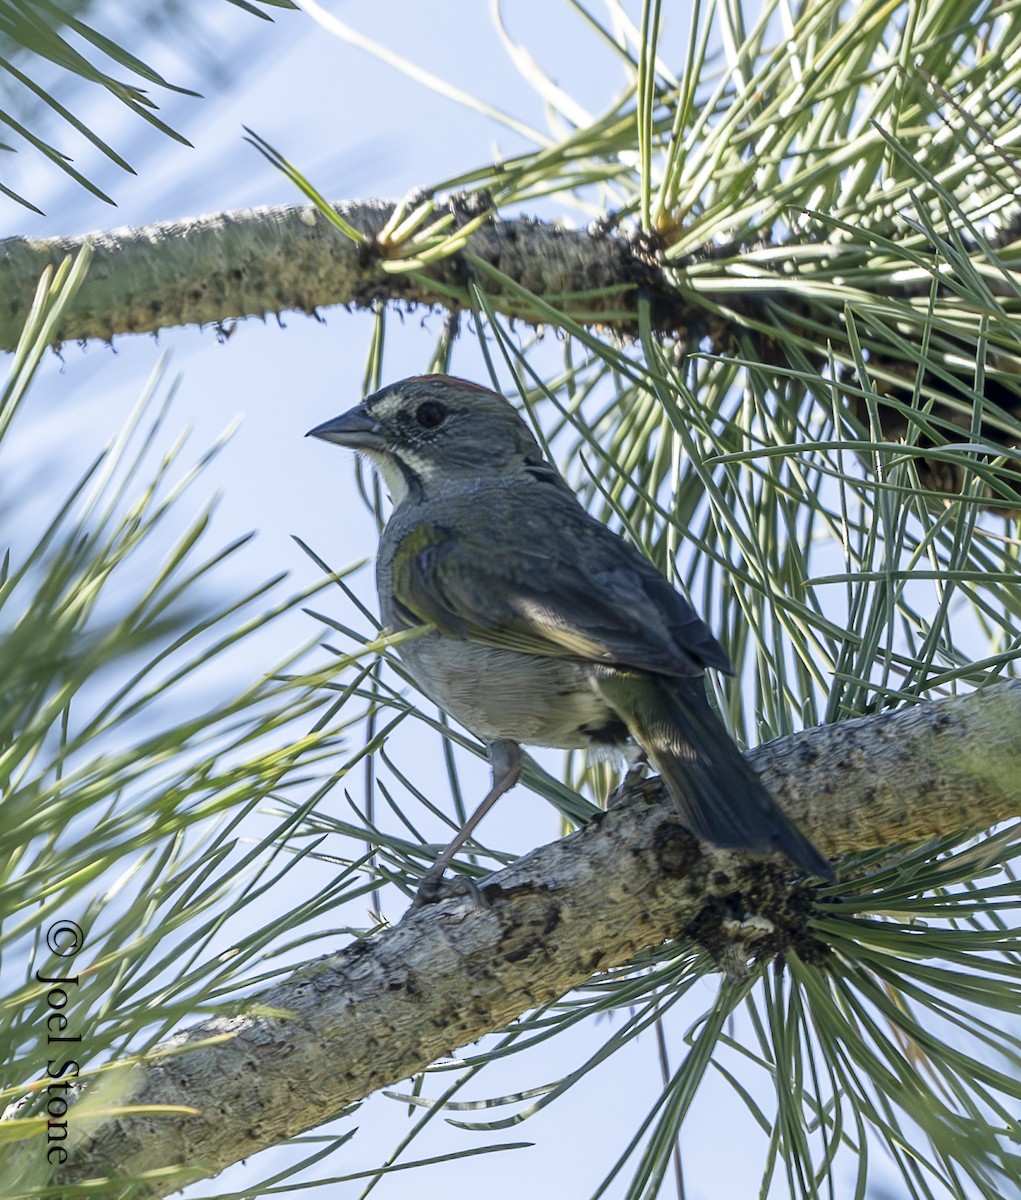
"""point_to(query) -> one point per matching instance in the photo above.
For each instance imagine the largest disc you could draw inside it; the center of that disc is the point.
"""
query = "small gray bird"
(549, 628)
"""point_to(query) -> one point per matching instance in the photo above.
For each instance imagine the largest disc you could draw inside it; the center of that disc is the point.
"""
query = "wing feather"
(561, 584)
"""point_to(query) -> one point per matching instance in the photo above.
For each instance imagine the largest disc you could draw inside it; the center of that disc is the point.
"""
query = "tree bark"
(384, 1008)
(210, 270)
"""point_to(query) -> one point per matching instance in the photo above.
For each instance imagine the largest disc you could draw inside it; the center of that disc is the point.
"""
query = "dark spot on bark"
(552, 919)
(676, 849)
(765, 891)
(356, 949)
(523, 951)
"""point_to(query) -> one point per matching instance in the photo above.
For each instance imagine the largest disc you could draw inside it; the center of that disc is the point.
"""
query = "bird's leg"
(637, 768)
(505, 760)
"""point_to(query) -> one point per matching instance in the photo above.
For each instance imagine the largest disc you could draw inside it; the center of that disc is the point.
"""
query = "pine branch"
(211, 270)
(216, 269)
(386, 1007)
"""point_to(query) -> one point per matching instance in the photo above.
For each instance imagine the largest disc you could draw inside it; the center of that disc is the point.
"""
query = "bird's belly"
(503, 694)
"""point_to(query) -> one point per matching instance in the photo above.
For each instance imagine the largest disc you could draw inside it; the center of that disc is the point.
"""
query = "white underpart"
(393, 476)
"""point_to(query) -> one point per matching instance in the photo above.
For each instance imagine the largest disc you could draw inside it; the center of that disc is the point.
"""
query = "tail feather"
(717, 794)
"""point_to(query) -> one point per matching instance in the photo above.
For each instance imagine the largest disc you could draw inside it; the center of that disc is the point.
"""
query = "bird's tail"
(718, 795)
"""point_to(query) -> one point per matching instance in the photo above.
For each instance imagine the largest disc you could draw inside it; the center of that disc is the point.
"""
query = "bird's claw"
(636, 774)
(436, 887)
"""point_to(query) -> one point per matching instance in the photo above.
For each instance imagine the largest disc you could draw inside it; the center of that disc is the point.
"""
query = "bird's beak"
(355, 429)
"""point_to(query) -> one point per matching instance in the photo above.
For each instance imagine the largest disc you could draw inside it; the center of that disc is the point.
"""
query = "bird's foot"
(436, 887)
(636, 773)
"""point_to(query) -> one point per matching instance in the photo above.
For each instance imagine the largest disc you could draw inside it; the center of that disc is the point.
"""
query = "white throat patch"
(392, 474)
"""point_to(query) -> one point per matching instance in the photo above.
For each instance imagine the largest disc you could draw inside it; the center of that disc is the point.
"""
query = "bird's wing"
(550, 581)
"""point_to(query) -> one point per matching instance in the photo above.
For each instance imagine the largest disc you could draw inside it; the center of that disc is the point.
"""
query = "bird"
(538, 624)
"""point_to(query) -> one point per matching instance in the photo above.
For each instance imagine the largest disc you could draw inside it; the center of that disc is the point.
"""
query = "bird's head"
(435, 431)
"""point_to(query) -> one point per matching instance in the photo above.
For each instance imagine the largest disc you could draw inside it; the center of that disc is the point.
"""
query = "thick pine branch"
(216, 269)
(384, 1008)
(211, 270)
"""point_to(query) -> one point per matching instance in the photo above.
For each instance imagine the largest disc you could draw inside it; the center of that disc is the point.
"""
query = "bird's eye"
(430, 414)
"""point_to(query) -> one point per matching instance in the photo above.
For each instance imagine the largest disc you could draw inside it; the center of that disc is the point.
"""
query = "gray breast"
(503, 694)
